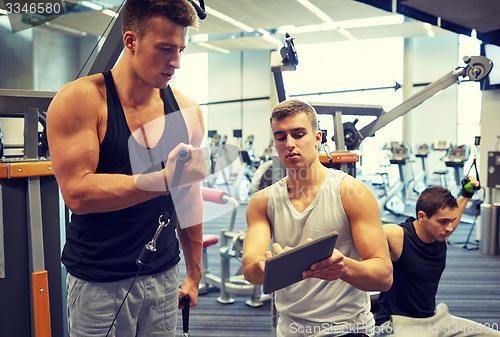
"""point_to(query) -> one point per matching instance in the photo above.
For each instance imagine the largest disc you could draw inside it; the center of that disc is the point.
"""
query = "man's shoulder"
(258, 201)
(84, 88)
(183, 101)
(393, 229)
(84, 97)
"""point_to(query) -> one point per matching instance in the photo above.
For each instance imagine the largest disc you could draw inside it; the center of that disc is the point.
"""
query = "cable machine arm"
(477, 68)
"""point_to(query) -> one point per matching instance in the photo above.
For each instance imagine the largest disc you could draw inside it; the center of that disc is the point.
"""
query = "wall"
(55, 59)
(37, 59)
(16, 72)
(16, 58)
(436, 118)
(235, 76)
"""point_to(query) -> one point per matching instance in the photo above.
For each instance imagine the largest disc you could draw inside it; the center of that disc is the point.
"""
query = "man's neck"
(131, 89)
(419, 229)
(303, 179)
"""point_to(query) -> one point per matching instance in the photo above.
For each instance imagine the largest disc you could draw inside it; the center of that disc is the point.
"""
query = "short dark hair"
(433, 199)
(293, 107)
(137, 14)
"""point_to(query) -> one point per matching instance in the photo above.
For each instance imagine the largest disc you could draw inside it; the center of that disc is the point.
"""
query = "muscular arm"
(191, 211)
(395, 237)
(257, 238)
(462, 203)
(192, 244)
(374, 271)
(73, 120)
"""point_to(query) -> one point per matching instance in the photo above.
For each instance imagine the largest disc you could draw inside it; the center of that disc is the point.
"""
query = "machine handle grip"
(182, 158)
(185, 302)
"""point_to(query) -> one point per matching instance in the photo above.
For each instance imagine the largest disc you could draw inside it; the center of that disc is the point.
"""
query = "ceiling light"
(318, 12)
(209, 46)
(346, 24)
(267, 36)
(66, 29)
(91, 5)
(197, 38)
(372, 22)
(229, 19)
(428, 29)
(109, 12)
(346, 34)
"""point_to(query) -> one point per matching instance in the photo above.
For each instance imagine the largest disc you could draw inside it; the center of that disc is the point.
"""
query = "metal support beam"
(31, 133)
(16, 101)
(338, 131)
(111, 49)
(40, 317)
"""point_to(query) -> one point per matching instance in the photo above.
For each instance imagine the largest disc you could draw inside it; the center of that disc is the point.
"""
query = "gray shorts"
(150, 309)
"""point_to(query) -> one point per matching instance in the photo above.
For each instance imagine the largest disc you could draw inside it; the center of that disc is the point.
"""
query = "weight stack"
(490, 229)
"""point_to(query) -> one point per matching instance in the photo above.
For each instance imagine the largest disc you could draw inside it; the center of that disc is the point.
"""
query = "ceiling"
(262, 23)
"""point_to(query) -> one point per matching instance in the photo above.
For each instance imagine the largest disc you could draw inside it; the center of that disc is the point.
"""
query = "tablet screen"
(285, 269)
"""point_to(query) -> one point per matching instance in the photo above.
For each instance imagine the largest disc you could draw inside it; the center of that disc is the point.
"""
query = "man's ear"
(421, 215)
(129, 40)
(319, 137)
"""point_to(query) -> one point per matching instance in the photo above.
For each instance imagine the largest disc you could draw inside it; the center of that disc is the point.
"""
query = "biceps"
(368, 234)
(74, 154)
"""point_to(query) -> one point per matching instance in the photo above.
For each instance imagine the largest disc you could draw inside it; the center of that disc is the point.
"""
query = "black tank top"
(416, 278)
(103, 247)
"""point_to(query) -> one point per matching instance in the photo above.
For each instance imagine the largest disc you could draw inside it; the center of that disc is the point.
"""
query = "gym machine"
(395, 195)
(490, 212)
(347, 136)
(474, 206)
(29, 226)
(421, 179)
(442, 146)
(456, 159)
(287, 60)
(231, 248)
(222, 158)
(476, 69)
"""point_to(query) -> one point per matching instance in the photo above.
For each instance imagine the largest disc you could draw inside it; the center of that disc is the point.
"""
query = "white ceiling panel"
(264, 14)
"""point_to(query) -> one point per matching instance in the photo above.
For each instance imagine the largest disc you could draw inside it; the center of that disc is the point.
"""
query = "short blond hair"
(293, 107)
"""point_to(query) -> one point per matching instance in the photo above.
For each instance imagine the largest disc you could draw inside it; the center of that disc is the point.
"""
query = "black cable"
(150, 248)
(123, 302)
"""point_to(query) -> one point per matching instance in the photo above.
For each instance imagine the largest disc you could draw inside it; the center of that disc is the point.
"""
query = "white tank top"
(335, 305)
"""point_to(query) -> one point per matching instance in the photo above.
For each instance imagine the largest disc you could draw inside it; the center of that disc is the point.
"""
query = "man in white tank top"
(309, 202)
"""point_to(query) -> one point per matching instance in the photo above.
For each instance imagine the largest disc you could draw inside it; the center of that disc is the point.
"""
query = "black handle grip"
(182, 158)
(185, 301)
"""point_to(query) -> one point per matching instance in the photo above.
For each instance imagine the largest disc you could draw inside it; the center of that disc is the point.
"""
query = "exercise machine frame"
(231, 246)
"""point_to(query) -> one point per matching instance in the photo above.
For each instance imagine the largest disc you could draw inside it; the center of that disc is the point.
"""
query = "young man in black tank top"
(418, 251)
(115, 206)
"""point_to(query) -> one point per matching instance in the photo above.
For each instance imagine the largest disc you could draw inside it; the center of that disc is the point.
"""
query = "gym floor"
(470, 286)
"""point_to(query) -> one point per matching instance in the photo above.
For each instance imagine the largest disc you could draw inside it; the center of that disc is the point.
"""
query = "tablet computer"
(286, 268)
